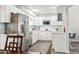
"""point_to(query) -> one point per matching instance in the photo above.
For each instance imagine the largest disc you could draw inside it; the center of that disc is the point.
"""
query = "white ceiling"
(43, 9)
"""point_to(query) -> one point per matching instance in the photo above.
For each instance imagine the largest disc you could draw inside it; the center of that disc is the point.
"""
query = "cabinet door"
(35, 37)
(4, 14)
(2, 41)
(7, 15)
(47, 36)
(60, 43)
(43, 35)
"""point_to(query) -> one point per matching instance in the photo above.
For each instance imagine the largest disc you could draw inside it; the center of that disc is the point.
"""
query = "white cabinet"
(8, 14)
(35, 36)
(2, 41)
(45, 35)
(60, 42)
(5, 14)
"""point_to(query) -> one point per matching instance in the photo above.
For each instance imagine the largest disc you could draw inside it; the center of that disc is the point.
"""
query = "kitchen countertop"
(51, 32)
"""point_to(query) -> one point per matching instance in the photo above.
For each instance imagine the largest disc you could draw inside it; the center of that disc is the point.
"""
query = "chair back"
(13, 43)
(72, 35)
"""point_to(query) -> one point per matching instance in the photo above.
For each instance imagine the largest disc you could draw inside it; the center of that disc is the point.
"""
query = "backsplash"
(10, 28)
(2, 28)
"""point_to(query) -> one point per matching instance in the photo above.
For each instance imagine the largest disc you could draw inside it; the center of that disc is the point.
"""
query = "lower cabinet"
(35, 36)
(41, 35)
(60, 42)
(2, 41)
(45, 35)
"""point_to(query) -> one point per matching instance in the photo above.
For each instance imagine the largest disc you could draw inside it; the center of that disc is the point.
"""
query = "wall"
(74, 20)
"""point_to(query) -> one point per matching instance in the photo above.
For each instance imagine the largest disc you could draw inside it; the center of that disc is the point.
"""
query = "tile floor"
(75, 48)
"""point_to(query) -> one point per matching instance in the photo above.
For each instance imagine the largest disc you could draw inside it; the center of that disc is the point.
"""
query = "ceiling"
(44, 9)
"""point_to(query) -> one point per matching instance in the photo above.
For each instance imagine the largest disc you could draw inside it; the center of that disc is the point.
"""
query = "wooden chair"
(13, 44)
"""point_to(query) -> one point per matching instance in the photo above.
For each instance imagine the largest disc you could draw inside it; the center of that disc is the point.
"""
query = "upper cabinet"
(5, 14)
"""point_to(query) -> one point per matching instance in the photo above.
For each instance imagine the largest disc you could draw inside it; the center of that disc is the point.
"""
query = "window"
(59, 16)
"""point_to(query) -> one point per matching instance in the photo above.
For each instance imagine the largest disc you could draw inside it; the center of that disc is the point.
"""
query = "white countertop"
(51, 32)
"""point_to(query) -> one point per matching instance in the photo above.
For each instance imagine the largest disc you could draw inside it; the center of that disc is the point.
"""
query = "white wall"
(74, 20)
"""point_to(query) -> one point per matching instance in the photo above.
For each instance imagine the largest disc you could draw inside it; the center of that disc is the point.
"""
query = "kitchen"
(50, 27)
